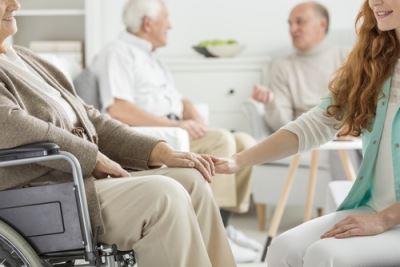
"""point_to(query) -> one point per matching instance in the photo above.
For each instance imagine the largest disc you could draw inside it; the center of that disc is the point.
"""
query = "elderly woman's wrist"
(159, 154)
(238, 158)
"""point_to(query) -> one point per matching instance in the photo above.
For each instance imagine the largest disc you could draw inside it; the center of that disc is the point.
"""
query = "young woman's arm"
(281, 144)
(310, 130)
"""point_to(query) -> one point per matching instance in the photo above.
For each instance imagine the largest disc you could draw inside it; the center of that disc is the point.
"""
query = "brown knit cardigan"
(28, 116)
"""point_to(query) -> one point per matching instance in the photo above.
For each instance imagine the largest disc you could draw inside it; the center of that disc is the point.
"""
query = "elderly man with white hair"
(299, 81)
(138, 90)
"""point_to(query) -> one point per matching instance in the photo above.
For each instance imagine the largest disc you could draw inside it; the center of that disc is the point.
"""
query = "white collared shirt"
(128, 69)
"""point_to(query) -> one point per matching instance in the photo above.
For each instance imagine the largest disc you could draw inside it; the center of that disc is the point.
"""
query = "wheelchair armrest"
(29, 151)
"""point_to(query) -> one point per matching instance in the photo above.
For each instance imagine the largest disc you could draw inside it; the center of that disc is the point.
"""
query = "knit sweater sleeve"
(313, 128)
(120, 142)
(20, 128)
(116, 140)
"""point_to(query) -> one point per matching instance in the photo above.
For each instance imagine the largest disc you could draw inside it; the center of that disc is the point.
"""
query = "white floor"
(248, 224)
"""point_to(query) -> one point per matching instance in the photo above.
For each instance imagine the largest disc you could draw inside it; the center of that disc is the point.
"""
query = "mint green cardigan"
(360, 193)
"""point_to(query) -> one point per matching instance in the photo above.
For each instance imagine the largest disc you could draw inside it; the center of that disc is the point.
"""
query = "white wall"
(259, 24)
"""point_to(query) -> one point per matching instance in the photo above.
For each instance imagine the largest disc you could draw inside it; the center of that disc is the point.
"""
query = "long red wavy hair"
(356, 86)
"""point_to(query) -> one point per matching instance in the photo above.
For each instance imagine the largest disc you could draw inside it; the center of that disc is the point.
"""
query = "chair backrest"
(255, 116)
(87, 87)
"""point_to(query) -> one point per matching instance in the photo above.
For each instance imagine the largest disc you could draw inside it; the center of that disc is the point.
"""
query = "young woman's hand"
(107, 167)
(163, 154)
(358, 225)
(226, 165)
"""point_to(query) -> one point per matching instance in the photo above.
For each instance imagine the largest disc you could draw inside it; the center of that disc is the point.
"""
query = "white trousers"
(302, 246)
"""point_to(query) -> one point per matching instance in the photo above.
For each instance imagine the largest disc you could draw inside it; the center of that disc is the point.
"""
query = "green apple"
(217, 42)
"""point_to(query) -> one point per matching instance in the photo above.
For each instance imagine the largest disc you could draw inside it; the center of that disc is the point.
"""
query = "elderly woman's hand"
(163, 154)
(107, 167)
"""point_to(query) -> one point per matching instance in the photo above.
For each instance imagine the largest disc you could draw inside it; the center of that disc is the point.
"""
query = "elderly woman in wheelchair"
(60, 179)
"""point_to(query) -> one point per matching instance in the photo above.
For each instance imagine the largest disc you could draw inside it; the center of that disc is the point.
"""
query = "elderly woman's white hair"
(136, 10)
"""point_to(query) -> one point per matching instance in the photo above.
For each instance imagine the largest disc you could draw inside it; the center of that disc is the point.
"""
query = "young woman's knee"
(284, 252)
(327, 253)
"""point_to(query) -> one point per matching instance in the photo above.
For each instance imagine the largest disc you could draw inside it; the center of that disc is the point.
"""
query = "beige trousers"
(167, 216)
(232, 192)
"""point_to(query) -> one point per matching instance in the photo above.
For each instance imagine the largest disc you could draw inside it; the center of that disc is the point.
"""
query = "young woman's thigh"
(289, 248)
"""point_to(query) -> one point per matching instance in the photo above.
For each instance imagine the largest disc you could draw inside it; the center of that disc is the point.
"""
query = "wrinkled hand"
(163, 154)
(195, 129)
(262, 94)
(358, 225)
(105, 166)
(226, 165)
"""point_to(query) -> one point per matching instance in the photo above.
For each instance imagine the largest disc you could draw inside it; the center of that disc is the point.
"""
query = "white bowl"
(229, 50)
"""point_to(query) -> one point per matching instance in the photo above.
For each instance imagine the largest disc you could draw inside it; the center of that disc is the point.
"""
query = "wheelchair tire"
(14, 250)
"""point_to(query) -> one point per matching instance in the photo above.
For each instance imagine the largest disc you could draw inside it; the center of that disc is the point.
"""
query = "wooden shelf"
(51, 12)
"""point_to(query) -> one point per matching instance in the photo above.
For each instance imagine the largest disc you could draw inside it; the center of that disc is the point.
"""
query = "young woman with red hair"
(364, 101)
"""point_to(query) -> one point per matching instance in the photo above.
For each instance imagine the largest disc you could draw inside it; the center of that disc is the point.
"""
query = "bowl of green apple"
(218, 48)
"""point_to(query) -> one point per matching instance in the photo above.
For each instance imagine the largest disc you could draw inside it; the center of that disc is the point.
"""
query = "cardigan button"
(397, 145)
(361, 177)
(374, 142)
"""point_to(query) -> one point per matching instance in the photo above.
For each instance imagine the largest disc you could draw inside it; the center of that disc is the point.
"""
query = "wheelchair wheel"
(14, 250)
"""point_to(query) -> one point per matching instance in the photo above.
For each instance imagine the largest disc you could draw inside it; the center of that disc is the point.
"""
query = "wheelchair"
(49, 225)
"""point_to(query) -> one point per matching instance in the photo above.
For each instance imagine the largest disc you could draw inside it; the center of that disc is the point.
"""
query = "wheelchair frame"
(96, 255)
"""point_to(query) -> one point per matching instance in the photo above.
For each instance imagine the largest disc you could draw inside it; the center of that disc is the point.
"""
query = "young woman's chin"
(386, 27)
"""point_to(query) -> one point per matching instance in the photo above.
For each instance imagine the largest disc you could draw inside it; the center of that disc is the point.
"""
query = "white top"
(314, 128)
(12, 61)
(299, 81)
(383, 193)
(128, 69)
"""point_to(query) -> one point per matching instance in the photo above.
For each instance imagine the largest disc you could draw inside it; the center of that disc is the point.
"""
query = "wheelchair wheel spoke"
(9, 257)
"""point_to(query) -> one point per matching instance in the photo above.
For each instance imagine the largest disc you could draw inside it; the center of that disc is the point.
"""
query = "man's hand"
(163, 154)
(195, 129)
(226, 165)
(262, 94)
(358, 225)
(105, 166)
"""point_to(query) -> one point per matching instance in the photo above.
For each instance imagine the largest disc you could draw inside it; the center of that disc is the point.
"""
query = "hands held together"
(163, 154)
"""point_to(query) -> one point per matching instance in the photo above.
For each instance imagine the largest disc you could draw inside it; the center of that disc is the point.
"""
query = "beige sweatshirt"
(299, 81)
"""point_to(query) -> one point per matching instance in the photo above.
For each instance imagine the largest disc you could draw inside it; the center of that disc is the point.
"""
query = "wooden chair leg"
(261, 210)
(347, 165)
(320, 212)
(312, 182)
(280, 208)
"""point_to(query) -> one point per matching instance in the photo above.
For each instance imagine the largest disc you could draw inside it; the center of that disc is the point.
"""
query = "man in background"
(299, 81)
(137, 89)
